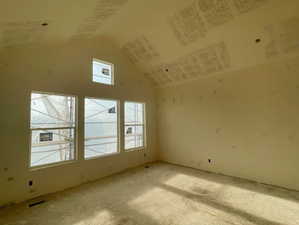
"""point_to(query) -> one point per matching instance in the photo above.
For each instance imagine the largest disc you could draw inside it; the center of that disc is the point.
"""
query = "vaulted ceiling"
(170, 41)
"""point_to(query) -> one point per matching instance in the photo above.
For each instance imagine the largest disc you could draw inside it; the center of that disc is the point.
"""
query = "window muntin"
(102, 72)
(52, 128)
(101, 127)
(134, 125)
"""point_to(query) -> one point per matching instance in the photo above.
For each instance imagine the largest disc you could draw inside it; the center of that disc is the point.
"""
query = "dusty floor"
(162, 194)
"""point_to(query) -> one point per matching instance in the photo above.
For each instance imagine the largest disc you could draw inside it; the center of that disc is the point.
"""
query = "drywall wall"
(63, 68)
(227, 100)
(172, 42)
(246, 122)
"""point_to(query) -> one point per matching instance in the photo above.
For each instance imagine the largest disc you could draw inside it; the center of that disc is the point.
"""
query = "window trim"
(48, 165)
(118, 128)
(143, 147)
(112, 71)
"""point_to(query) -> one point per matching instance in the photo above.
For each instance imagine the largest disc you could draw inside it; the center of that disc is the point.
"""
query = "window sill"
(135, 149)
(104, 85)
(102, 156)
(35, 168)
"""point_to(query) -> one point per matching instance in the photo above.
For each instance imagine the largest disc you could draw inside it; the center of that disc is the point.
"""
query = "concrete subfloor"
(162, 194)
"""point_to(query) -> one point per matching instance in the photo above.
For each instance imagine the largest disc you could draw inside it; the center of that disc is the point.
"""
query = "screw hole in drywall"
(44, 24)
(209, 160)
(258, 40)
(30, 183)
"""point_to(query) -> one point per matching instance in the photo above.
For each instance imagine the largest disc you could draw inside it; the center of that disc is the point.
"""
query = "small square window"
(102, 72)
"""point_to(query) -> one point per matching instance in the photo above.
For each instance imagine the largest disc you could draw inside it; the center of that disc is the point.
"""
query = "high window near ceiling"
(101, 127)
(134, 125)
(52, 128)
(102, 72)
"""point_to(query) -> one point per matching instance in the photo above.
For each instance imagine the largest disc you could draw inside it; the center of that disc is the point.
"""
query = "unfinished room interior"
(149, 112)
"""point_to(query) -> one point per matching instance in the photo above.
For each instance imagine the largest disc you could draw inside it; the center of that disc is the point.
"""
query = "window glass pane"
(133, 113)
(102, 72)
(53, 121)
(51, 146)
(101, 127)
(134, 125)
(140, 113)
(133, 136)
(52, 111)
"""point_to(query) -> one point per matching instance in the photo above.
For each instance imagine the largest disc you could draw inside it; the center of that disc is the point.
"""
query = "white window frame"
(118, 128)
(75, 128)
(103, 62)
(144, 128)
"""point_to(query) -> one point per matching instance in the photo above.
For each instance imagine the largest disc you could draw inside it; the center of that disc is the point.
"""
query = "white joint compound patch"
(202, 62)
(188, 25)
(194, 21)
(140, 50)
(103, 11)
(244, 6)
(159, 75)
(215, 12)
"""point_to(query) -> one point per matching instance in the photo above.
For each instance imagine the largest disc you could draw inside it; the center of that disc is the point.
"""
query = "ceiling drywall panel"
(183, 28)
(170, 41)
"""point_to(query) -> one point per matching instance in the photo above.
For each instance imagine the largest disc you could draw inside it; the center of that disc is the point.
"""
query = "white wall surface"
(63, 68)
(245, 121)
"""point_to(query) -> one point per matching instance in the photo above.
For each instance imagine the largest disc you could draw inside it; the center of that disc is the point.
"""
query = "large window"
(53, 128)
(102, 72)
(134, 125)
(101, 127)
